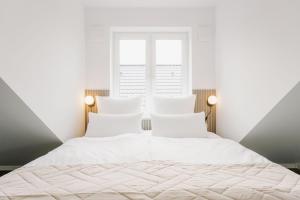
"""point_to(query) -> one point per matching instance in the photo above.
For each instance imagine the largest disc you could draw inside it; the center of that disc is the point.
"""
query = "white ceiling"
(149, 3)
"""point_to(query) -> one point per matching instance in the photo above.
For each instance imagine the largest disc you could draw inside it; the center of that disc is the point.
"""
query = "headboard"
(201, 105)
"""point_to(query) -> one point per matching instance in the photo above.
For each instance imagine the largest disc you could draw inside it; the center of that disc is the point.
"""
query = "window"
(150, 64)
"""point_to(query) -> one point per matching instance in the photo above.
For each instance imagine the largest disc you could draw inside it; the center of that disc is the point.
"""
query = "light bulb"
(89, 100)
(212, 100)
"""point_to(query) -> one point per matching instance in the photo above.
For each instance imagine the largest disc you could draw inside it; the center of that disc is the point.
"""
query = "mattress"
(151, 168)
(144, 147)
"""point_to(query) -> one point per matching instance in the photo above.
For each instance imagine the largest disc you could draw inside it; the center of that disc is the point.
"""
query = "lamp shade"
(212, 100)
(89, 100)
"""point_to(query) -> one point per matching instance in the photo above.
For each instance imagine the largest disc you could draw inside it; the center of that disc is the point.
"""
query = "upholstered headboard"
(201, 105)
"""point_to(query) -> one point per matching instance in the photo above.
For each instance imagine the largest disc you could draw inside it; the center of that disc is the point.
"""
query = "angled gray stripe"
(277, 135)
(23, 136)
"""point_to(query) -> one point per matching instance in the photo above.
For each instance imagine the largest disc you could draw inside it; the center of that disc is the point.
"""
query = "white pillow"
(173, 105)
(109, 105)
(106, 125)
(179, 126)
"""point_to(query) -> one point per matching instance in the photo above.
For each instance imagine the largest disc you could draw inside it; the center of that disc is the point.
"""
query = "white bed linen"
(145, 147)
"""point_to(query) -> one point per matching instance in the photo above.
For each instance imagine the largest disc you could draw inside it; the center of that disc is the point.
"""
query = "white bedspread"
(144, 147)
(144, 167)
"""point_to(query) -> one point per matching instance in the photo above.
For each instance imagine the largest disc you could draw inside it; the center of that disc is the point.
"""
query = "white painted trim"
(111, 62)
(154, 29)
(189, 61)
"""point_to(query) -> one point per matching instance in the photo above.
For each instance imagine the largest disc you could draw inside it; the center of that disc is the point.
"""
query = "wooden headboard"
(201, 105)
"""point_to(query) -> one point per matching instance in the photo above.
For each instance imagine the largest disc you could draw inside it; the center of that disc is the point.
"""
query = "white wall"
(42, 59)
(258, 60)
(99, 21)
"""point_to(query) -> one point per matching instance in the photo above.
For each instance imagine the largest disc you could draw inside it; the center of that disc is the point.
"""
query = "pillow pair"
(175, 117)
(117, 116)
(160, 104)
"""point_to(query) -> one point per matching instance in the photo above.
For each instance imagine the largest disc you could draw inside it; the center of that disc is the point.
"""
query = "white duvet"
(145, 147)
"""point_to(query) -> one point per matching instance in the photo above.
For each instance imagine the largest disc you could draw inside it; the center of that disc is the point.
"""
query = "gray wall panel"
(23, 136)
(277, 136)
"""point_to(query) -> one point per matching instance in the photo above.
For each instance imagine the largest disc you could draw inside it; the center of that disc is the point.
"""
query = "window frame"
(150, 35)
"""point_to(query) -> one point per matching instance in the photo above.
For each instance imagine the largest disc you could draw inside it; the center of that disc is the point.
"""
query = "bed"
(144, 167)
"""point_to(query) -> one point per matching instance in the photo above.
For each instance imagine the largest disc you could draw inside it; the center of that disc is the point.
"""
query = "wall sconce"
(89, 100)
(211, 101)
